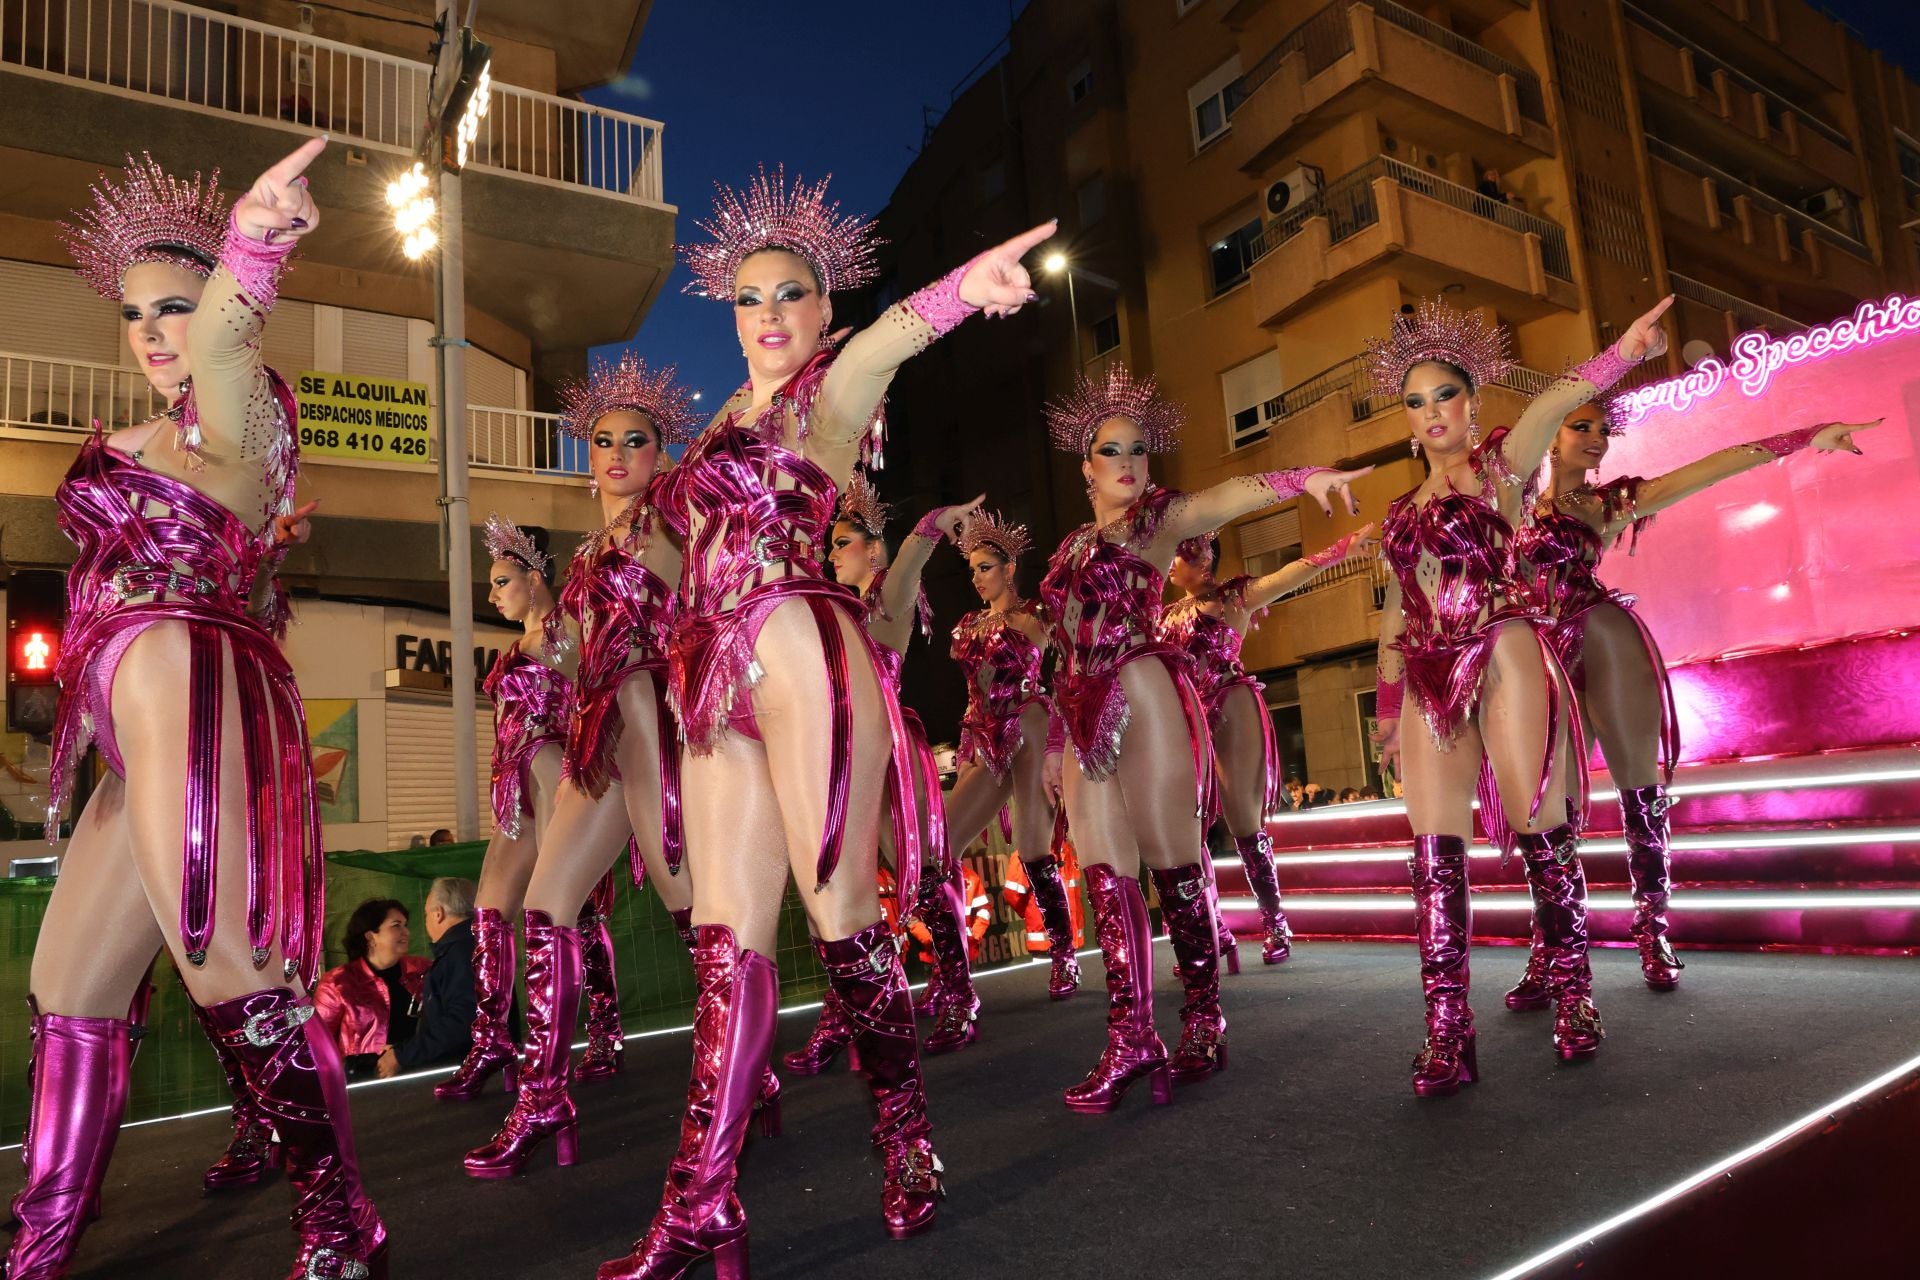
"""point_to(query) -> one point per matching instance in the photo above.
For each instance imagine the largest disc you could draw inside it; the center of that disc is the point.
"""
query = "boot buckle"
(1188, 890)
(260, 1033)
(327, 1264)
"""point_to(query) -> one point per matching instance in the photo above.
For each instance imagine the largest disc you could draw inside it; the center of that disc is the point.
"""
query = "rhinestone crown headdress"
(148, 216)
(1436, 331)
(505, 540)
(1073, 419)
(987, 529)
(770, 215)
(860, 506)
(628, 384)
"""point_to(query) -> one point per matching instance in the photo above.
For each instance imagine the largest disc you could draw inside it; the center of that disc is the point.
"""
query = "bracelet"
(1332, 554)
(1056, 734)
(1785, 443)
(929, 526)
(1387, 693)
(1606, 368)
(939, 303)
(1289, 484)
(254, 264)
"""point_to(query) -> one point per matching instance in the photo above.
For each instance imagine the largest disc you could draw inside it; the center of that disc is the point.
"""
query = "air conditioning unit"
(1294, 190)
(1825, 204)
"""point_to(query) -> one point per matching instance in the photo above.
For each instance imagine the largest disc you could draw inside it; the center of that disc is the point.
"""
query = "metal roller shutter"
(420, 781)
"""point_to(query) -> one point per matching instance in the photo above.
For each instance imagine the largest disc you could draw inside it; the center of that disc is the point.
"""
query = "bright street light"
(1055, 263)
(413, 211)
(468, 129)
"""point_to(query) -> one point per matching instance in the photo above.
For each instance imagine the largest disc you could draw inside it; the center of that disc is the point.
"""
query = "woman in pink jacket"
(373, 1000)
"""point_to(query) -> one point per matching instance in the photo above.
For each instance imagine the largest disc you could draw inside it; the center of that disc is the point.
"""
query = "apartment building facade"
(1275, 179)
(568, 240)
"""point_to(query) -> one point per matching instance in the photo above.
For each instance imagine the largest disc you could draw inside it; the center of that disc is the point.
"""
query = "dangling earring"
(1473, 433)
(1090, 491)
(1415, 445)
(593, 486)
(1554, 453)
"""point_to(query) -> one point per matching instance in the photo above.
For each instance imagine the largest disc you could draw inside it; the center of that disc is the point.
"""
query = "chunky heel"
(1162, 1082)
(1470, 1062)
(566, 1146)
(853, 1059)
(730, 1260)
(768, 1118)
(511, 1074)
(377, 1265)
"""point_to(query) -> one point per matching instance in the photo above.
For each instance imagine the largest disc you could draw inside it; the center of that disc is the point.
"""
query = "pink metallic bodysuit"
(1564, 553)
(1103, 602)
(1212, 647)
(1450, 631)
(154, 549)
(626, 614)
(1003, 667)
(755, 516)
(532, 705)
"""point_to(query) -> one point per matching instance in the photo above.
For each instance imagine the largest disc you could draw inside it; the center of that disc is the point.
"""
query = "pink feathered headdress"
(770, 215)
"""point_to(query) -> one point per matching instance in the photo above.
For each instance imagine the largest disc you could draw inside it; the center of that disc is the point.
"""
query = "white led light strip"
(1680, 844)
(1820, 1115)
(1517, 900)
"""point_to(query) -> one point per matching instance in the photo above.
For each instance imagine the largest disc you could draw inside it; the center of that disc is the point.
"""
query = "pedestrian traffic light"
(36, 616)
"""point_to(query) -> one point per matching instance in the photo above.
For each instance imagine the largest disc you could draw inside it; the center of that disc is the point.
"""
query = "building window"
(1270, 542)
(1212, 102)
(1092, 200)
(1232, 254)
(1251, 395)
(1079, 84)
(1106, 334)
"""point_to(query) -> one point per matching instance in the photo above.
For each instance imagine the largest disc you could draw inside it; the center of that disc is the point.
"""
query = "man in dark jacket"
(445, 1028)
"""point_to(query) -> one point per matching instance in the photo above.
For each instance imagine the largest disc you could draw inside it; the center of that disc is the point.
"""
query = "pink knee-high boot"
(606, 1039)
(1043, 876)
(1256, 856)
(957, 1008)
(1643, 815)
(492, 1051)
(1134, 1051)
(1188, 910)
(1559, 885)
(542, 1108)
(1444, 916)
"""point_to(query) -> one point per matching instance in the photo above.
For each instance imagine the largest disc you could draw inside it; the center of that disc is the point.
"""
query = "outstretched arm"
(1390, 677)
(1193, 514)
(1263, 591)
(901, 590)
(1661, 492)
(1532, 435)
(230, 385)
(855, 386)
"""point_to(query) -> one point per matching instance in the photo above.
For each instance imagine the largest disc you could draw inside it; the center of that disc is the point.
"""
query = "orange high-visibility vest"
(1019, 892)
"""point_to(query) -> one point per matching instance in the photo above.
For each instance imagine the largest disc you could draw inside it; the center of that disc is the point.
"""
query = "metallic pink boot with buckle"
(1444, 916)
(1531, 991)
(699, 1215)
(957, 1009)
(1256, 858)
(1643, 815)
(1188, 911)
(542, 1108)
(253, 1152)
(606, 1039)
(1134, 1051)
(1559, 887)
(1043, 876)
(293, 1068)
(492, 1051)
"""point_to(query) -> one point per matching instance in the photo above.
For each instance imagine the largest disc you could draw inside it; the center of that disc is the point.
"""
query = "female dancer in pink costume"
(1137, 729)
(531, 685)
(1465, 654)
(787, 720)
(1210, 623)
(1002, 649)
(620, 590)
(204, 835)
(894, 599)
(1610, 655)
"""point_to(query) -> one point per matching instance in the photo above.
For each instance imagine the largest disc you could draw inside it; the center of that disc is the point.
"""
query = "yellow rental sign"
(347, 416)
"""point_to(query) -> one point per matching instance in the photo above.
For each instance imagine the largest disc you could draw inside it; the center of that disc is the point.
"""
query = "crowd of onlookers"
(1311, 795)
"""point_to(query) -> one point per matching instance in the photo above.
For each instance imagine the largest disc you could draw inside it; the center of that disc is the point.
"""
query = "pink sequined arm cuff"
(939, 303)
(1387, 696)
(254, 264)
(1330, 555)
(1785, 443)
(1605, 369)
(1289, 484)
(1056, 733)
(929, 526)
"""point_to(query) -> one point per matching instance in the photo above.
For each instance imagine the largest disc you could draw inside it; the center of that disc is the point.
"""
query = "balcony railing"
(207, 61)
(1664, 150)
(1705, 63)
(1327, 36)
(1751, 315)
(42, 398)
(1348, 205)
(1352, 380)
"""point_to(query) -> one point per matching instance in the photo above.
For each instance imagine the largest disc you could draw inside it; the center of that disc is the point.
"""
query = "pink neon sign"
(1757, 357)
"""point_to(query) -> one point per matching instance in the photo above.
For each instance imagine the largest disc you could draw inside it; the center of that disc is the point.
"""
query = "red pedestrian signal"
(36, 616)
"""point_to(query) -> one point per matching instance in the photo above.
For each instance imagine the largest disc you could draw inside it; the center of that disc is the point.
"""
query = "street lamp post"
(1055, 264)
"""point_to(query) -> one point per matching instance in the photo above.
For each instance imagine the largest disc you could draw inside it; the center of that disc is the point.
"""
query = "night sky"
(827, 88)
(840, 88)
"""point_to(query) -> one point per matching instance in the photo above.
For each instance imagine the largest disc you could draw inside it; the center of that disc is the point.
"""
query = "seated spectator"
(417, 841)
(1295, 796)
(1347, 795)
(440, 836)
(445, 1029)
(1314, 795)
(1369, 793)
(373, 1000)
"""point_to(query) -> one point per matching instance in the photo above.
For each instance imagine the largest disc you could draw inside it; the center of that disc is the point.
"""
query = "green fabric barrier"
(175, 1072)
